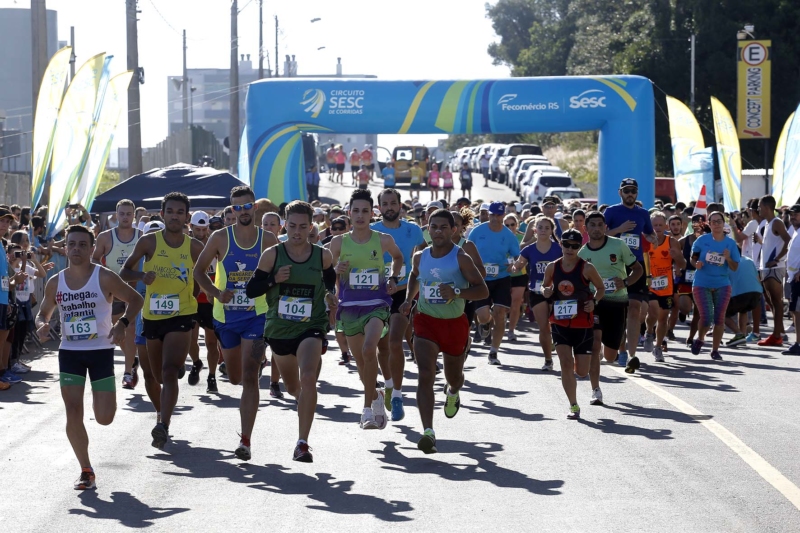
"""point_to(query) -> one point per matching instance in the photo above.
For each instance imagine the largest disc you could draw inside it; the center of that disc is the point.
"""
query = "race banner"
(728, 155)
(791, 163)
(754, 71)
(778, 184)
(689, 158)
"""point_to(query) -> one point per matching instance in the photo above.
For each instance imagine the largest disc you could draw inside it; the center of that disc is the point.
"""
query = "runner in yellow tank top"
(663, 258)
(170, 303)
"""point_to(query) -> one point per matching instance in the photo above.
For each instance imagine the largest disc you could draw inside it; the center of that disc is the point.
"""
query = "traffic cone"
(700, 207)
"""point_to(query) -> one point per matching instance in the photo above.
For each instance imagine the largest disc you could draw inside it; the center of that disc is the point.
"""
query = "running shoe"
(689, 342)
(345, 358)
(772, 340)
(737, 340)
(658, 354)
(302, 453)
(754, 337)
(597, 397)
(715, 355)
(451, 404)
(548, 365)
(19, 368)
(512, 337)
(632, 366)
(127, 381)
(135, 372)
(785, 338)
(275, 390)
(682, 316)
(410, 357)
(160, 436)
(493, 358)
(574, 412)
(664, 346)
(427, 443)
(622, 358)
(529, 314)
(484, 330)
(794, 349)
(194, 373)
(387, 395)
(671, 335)
(438, 368)
(10, 377)
(86, 481)
(790, 329)
(488, 340)
(223, 370)
(379, 410)
(211, 386)
(242, 452)
(697, 345)
(398, 412)
(477, 336)
(648, 342)
(182, 371)
(641, 341)
(368, 419)
(4, 385)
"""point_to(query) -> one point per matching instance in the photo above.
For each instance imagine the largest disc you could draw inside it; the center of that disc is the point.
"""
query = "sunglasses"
(338, 228)
(247, 206)
(629, 191)
(571, 246)
(511, 225)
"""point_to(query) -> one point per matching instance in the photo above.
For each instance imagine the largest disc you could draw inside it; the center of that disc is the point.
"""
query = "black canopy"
(207, 188)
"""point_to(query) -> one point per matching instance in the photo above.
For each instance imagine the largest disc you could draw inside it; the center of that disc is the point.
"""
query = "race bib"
(81, 328)
(294, 309)
(240, 302)
(432, 293)
(565, 309)
(632, 240)
(387, 271)
(689, 276)
(364, 278)
(4, 283)
(713, 258)
(609, 285)
(659, 283)
(165, 304)
(492, 269)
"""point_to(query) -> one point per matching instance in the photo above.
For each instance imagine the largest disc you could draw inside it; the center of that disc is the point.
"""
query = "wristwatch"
(457, 291)
(625, 282)
(395, 279)
(124, 321)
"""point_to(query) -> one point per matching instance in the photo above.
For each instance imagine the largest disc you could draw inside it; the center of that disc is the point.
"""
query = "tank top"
(233, 272)
(571, 292)
(366, 157)
(171, 294)
(340, 158)
(447, 179)
(434, 272)
(297, 305)
(120, 251)
(365, 284)
(355, 159)
(771, 247)
(85, 315)
(661, 283)
(537, 263)
(433, 179)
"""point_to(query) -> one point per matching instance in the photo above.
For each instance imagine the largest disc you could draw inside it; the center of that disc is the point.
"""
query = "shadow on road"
(650, 412)
(606, 425)
(334, 496)
(491, 408)
(124, 508)
(473, 388)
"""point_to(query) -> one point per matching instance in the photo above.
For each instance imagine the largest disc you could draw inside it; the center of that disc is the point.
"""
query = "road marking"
(770, 474)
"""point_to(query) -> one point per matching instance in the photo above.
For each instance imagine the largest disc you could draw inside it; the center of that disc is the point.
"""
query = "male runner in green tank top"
(298, 279)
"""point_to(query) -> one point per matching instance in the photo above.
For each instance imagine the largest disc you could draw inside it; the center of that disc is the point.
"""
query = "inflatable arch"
(621, 107)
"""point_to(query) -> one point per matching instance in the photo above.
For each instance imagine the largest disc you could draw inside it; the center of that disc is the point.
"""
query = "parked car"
(521, 163)
(541, 180)
(565, 193)
(494, 168)
(511, 154)
(526, 176)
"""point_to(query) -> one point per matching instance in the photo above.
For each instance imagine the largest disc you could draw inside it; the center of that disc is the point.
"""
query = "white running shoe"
(379, 409)
(19, 368)
(658, 354)
(368, 419)
(597, 397)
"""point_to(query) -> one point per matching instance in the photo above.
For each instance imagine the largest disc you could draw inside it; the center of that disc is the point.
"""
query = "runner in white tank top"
(773, 266)
(83, 293)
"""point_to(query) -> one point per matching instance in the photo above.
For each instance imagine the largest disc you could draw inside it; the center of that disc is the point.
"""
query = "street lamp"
(746, 32)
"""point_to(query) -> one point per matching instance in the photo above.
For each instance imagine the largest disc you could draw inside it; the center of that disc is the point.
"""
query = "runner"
(365, 297)
(330, 161)
(498, 248)
(297, 321)
(519, 281)
(88, 339)
(363, 178)
(408, 238)
(465, 177)
(238, 319)
(463, 221)
(271, 222)
(664, 255)
(447, 277)
(433, 182)
(538, 255)
(170, 301)
(341, 160)
(416, 180)
(676, 231)
(367, 162)
(773, 266)
(355, 163)
(388, 175)
(112, 249)
(685, 299)
(447, 184)
(567, 281)
(631, 223)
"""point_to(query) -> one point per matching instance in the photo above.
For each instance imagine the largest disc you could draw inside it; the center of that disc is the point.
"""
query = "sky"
(393, 39)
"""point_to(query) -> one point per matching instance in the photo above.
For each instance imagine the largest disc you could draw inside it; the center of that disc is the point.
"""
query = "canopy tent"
(207, 188)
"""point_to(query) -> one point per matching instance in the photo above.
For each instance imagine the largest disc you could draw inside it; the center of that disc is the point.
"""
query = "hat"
(154, 225)
(435, 204)
(376, 211)
(670, 207)
(628, 182)
(215, 220)
(548, 201)
(572, 235)
(497, 208)
(484, 207)
(5, 213)
(318, 211)
(200, 218)
(518, 206)
(464, 199)
(526, 206)
(795, 208)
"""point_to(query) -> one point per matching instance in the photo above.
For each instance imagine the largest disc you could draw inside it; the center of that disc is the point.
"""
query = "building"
(16, 87)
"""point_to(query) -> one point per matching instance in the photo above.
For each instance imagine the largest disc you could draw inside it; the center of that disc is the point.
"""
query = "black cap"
(464, 199)
(5, 213)
(572, 235)
(628, 182)
(795, 208)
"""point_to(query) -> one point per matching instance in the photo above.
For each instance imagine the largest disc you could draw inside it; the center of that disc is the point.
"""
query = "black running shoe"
(211, 388)
(194, 373)
(275, 390)
(223, 370)
(345, 358)
(671, 335)
(633, 365)
(182, 371)
(160, 436)
(302, 453)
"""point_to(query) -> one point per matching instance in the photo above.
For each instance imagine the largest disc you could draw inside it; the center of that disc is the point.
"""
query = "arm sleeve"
(259, 284)
(329, 278)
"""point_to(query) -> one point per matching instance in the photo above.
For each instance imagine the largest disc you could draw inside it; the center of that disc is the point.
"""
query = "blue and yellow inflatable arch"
(621, 107)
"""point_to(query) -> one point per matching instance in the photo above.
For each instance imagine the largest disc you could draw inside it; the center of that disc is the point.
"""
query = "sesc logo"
(314, 99)
(582, 101)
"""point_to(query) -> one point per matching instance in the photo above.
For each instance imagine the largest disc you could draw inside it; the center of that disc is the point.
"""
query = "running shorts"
(499, 293)
(451, 335)
(340, 167)
(748, 301)
(778, 274)
(535, 299)
(284, 347)
(664, 302)
(579, 339)
(355, 319)
(519, 281)
(230, 334)
(158, 329)
(74, 364)
(205, 315)
(398, 298)
(363, 186)
(639, 291)
(610, 318)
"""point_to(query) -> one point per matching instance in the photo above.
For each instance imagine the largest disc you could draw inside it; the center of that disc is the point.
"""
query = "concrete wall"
(15, 189)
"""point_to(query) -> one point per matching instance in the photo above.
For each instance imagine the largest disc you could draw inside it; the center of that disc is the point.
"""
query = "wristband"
(125, 321)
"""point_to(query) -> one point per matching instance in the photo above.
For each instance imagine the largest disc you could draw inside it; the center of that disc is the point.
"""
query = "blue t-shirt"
(388, 177)
(618, 214)
(745, 278)
(495, 248)
(407, 237)
(537, 261)
(714, 273)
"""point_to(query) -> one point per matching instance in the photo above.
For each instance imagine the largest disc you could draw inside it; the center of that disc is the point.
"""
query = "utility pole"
(185, 86)
(277, 61)
(260, 39)
(134, 116)
(233, 137)
(691, 89)
(38, 46)
(72, 55)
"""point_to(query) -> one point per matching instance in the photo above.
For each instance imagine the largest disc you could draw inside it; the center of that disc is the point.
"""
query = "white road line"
(771, 474)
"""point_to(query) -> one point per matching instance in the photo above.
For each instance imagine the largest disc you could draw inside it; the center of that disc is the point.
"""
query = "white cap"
(558, 215)
(319, 211)
(200, 219)
(154, 225)
(518, 205)
(436, 204)
(376, 211)
(484, 207)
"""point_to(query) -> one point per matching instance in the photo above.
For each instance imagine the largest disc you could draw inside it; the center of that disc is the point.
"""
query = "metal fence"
(185, 146)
